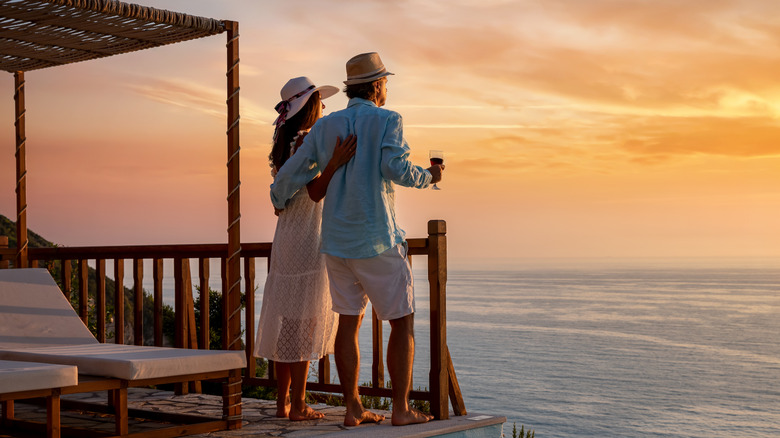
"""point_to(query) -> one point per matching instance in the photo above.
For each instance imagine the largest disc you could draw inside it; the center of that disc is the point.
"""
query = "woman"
(297, 324)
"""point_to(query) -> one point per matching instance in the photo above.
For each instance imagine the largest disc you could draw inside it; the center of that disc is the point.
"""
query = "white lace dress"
(296, 320)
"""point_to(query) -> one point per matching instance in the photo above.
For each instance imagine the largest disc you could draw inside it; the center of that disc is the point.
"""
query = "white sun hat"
(296, 93)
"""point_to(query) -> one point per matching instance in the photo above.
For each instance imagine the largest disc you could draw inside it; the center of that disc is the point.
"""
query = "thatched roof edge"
(134, 11)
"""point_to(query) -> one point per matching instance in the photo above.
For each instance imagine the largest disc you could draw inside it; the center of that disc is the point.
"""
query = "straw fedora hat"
(366, 67)
(296, 93)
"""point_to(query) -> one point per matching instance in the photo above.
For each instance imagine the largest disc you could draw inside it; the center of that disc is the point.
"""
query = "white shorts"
(386, 280)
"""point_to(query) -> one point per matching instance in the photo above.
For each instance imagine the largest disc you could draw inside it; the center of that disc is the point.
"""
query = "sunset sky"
(571, 128)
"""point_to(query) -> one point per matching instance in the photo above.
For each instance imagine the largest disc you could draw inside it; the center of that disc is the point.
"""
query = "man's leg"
(400, 358)
(347, 356)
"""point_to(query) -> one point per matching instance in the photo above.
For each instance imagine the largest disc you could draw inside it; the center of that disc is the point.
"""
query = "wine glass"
(437, 157)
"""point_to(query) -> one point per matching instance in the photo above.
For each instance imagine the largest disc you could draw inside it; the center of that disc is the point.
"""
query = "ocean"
(609, 347)
(616, 348)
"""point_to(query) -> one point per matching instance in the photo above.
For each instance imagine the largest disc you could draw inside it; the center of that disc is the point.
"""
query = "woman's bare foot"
(355, 417)
(307, 413)
(410, 416)
(283, 407)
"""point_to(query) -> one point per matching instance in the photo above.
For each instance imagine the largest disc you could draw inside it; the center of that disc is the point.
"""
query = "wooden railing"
(442, 383)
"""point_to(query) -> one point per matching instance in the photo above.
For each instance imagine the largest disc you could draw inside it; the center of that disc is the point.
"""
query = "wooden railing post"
(180, 313)
(119, 301)
(3, 245)
(157, 274)
(138, 302)
(84, 291)
(437, 278)
(249, 312)
(179, 304)
(378, 362)
(205, 296)
(100, 300)
(65, 277)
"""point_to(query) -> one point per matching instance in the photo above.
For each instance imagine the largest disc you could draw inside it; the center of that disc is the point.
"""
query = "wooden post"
(138, 302)
(21, 173)
(121, 423)
(65, 277)
(323, 370)
(191, 338)
(271, 364)
(179, 305)
(3, 245)
(456, 397)
(437, 278)
(84, 291)
(157, 273)
(205, 324)
(8, 410)
(378, 362)
(180, 315)
(231, 299)
(100, 299)
(231, 400)
(53, 413)
(119, 301)
(249, 290)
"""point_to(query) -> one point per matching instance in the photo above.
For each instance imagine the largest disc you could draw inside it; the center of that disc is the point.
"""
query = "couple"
(351, 245)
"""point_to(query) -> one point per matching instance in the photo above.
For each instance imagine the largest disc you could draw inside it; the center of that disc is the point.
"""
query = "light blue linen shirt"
(358, 217)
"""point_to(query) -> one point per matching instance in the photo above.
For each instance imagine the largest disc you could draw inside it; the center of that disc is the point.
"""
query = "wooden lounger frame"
(118, 406)
(52, 396)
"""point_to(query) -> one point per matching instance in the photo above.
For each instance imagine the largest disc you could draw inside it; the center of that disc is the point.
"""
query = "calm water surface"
(638, 348)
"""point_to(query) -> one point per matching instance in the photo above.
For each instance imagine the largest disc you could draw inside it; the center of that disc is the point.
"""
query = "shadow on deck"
(259, 419)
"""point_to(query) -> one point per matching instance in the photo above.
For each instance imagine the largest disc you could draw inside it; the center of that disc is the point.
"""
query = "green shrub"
(523, 433)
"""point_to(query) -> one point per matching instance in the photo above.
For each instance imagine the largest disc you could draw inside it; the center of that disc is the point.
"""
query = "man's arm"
(396, 166)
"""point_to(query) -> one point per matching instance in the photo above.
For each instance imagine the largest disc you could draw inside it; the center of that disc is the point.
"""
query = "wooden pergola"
(36, 34)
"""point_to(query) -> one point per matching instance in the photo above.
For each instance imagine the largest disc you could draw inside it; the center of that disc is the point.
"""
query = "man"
(365, 250)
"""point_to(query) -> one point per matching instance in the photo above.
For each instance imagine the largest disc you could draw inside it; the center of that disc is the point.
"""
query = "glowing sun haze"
(571, 128)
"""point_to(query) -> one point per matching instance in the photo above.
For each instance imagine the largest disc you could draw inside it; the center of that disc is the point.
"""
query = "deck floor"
(259, 419)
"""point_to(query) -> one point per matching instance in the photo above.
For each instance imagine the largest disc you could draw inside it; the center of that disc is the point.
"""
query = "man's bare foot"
(306, 414)
(363, 416)
(410, 416)
(283, 407)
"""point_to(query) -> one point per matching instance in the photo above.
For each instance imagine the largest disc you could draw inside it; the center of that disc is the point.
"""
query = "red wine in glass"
(437, 157)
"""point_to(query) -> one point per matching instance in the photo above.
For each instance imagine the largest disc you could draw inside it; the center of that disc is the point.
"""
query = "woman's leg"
(299, 410)
(282, 389)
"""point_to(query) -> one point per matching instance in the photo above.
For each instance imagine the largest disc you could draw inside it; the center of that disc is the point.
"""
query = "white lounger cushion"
(38, 324)
(34, 312)
(28, 376)
(131, 362)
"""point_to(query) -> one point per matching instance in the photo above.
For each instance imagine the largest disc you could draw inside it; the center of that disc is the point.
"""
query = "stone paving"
(259, 417)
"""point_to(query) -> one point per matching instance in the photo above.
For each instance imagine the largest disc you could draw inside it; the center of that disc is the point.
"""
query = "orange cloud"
(745, 137)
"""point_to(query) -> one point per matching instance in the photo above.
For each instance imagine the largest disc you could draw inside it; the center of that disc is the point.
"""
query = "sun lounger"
(37, 324)
(23, 380)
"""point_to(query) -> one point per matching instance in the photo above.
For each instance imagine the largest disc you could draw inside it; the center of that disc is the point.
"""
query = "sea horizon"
(643, 346)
